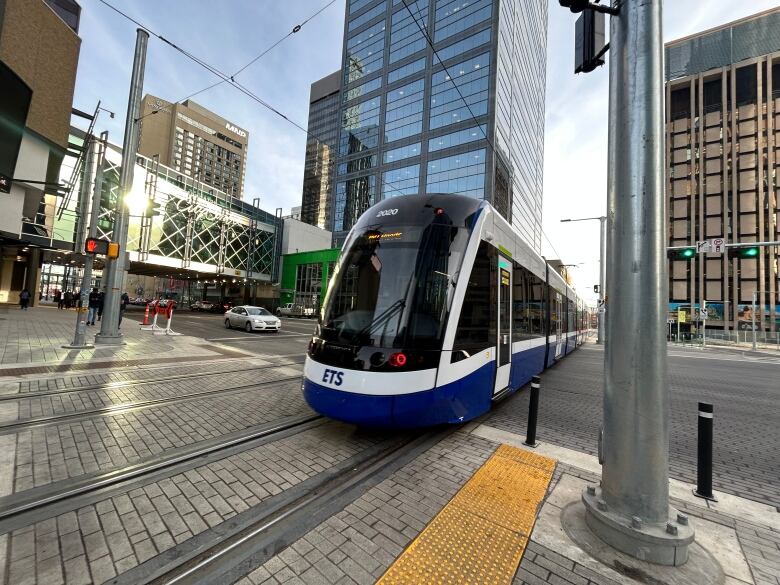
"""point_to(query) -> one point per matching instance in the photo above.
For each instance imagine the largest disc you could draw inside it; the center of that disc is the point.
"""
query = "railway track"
(23, 424)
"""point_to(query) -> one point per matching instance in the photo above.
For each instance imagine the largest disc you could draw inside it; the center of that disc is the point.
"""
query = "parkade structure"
(191, 234)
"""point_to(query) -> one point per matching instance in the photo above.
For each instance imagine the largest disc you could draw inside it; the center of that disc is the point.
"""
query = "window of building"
(455, 138)
(363, 89)
(355, 5)
(466, 44)
(403, 181)
(472, 78)
(461, 173)
(353, 197)
(365, 52)
(360, 127)
(406, 70)
(367, 16)
(477, 323)
(405, 35)
(454, 16)
(358, 164)
(404, 113)
(747, 85)
(401, 153)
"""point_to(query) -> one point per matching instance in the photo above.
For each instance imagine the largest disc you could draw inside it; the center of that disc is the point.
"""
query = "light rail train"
(436, 309)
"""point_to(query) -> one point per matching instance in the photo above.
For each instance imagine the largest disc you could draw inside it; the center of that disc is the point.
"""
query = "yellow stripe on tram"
(481, 534)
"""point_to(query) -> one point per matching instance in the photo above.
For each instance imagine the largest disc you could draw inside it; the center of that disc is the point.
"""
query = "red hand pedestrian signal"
(104, 247)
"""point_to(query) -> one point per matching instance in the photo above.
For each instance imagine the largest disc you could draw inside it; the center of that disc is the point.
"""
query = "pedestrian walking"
(100, 306)
(68, 299)
(123, 302)
(58, 298)
(94, 305)
(24, 299)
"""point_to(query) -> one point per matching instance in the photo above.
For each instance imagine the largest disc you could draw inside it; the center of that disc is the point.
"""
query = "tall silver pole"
(79, 337)
(602, 279)
(109, 328)
(630, 510)
(753, 318)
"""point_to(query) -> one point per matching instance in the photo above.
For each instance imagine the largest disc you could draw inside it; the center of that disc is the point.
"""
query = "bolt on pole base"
(662, 544)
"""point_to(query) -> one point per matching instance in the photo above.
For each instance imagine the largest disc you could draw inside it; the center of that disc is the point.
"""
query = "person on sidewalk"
(24, 299)
(68, 299)
(94, 305)
(58, 298)
(100, 306)
(123, 302)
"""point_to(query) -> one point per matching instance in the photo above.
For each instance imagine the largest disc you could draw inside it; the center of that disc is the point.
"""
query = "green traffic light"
(750, 252)
(687, 253)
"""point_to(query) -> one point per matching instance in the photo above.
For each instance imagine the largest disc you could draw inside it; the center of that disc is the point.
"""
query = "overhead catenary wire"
(225, 78)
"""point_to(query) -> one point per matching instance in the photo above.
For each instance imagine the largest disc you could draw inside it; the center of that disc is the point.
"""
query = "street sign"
(717, 245)
(703, 314)
(703, 246)
(682, 316)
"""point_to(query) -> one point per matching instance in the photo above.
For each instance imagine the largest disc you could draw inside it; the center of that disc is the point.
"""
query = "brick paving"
(745, 398)
(76, 401)
(97, 542)
(61, 451)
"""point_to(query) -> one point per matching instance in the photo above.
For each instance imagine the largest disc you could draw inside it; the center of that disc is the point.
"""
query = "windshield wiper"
(380, 319)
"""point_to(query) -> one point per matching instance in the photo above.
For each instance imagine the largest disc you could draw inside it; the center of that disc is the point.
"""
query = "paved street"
(188, 450)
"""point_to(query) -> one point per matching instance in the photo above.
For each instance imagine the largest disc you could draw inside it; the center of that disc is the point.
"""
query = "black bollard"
(704, 454)
(533, 411)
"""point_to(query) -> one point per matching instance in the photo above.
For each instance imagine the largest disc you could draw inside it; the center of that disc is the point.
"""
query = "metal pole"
(704, 324)
(753, 318)
(533, 412)
(630, 510)
(109, 328)
(79, 337)
(704, 453)
(601, 338)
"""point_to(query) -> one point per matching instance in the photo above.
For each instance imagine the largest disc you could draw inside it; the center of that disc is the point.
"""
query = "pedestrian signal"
(104, 247)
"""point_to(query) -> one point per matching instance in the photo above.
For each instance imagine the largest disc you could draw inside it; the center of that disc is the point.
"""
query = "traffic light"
(152, 208)
(686, 253)
(574, 5)
(746, 252)
(96, 246)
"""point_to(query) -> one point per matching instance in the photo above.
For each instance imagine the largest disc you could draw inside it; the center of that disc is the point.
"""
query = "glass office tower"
(473, 126)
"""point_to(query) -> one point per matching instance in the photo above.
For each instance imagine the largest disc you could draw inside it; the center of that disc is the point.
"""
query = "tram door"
(559, 339)
(504, 328)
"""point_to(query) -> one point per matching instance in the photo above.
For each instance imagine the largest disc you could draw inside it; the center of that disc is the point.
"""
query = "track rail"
(133, 383)
(15, 426)
(27, 507)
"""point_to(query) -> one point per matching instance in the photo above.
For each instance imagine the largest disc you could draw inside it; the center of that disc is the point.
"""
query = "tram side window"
(477, 324)
(537, 310)
(522, 327)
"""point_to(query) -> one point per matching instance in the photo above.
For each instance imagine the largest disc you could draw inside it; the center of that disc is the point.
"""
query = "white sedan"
(252, 319)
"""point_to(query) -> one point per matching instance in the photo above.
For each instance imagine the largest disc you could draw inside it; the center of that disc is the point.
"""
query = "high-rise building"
(321, 151)
(473, 126)
(39, 52)
(723, 152)
(196, 142)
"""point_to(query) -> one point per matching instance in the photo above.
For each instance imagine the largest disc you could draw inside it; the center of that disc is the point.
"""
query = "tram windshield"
(394, 286)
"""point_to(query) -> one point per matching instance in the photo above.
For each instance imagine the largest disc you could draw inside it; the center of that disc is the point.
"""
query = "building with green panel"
(305, 277)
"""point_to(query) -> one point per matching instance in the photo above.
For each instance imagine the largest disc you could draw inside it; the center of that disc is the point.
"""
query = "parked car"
(252, 319)
(294, 310)
(221, 306)
(201, 305)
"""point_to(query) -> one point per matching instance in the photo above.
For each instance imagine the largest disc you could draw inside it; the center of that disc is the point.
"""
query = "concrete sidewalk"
(31, 344)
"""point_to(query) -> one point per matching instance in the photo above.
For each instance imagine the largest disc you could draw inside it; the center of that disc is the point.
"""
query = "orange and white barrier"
(167, 331)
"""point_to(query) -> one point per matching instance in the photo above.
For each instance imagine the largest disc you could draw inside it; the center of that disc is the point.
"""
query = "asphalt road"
(744, 389)
(291, 339)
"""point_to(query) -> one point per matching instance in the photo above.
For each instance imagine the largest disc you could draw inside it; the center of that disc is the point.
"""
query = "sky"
(234, 33)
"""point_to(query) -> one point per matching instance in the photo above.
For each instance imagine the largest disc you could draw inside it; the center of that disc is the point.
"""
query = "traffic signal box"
(96, 246)
(682, 253)
(745, 252)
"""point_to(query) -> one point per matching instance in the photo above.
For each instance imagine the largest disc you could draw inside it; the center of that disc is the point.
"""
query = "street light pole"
(630, 509)
(600, 335)
(109, 328)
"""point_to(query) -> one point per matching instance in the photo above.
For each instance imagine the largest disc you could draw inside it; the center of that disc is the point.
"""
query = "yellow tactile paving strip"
(479, 537)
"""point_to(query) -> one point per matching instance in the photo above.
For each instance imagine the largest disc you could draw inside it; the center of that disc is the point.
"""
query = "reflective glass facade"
(407, 125)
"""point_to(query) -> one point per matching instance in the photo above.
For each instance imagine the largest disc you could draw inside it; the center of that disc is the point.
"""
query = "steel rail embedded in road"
(133, 383)
(33, 500)
(276, 525)
(29, 423)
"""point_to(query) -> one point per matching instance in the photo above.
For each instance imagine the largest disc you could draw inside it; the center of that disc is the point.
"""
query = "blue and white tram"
(436, 309)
